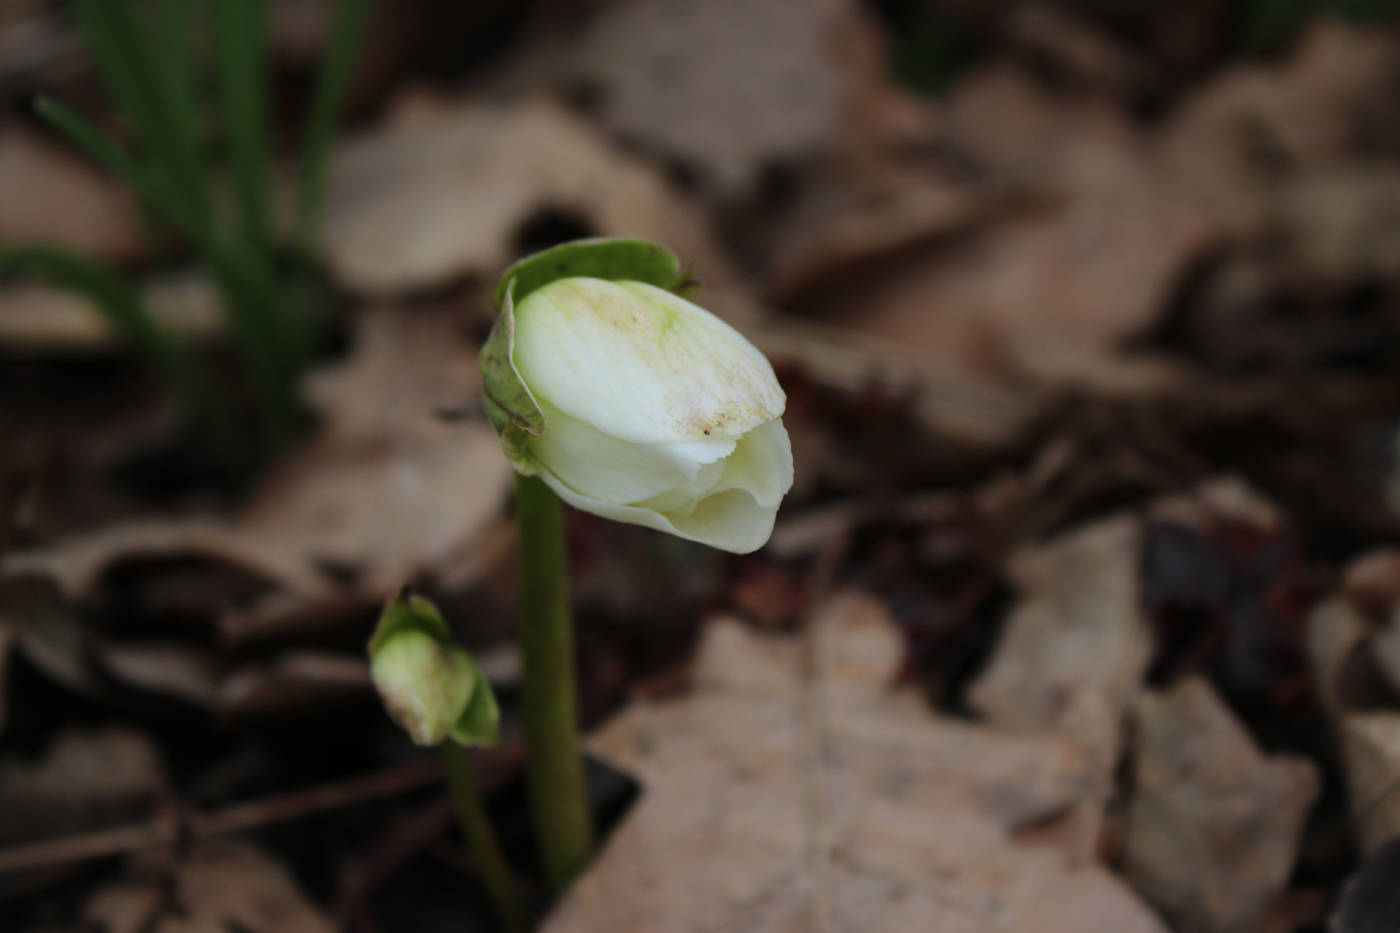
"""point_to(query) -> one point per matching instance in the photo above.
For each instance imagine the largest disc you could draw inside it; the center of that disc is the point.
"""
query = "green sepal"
(510, 406)
(617, 260)
(507, 400)
(408, 612)
(480, 722)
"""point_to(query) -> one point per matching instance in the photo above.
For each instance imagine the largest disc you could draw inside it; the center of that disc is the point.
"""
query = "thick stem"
(555, 762)
(481, 838)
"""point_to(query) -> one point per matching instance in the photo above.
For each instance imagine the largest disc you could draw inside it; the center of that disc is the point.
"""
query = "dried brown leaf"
(50, 196)
(1214, 825)
(1084, 263)
(727, 88)
(446, 190)
(1075, 648)
(220, 887)
(86, 780)
(794, 789)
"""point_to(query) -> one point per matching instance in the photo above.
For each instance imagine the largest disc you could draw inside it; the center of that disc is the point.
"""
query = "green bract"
(631, 402)
(429, 684)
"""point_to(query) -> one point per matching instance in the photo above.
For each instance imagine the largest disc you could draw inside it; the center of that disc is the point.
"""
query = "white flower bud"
(646, 409)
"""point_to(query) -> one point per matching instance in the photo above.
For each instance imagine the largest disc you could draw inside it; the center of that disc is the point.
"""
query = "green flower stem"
(481, 838)
(554, 764)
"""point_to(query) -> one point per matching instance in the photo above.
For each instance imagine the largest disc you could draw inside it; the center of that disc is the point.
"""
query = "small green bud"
(429, 684)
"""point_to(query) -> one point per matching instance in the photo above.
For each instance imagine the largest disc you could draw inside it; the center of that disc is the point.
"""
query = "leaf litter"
(1025, 328)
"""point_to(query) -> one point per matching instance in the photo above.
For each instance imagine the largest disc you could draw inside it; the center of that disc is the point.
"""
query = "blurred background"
(1088, 313)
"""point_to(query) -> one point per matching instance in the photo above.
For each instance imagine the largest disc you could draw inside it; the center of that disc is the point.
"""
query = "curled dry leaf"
(387, 491)
(449, 190)
(954, 403)
(1372, 581)
(886, 182)
(1075, 648)
(1335, 632)
(38, 317)
(728, 88)
(1081, 266)
(299, 682)
(85, 781)
(1371, 903)
(221, 886)
(384, 494)
(1241, 135)
(1085, 54)
(793, 788)
(189, 673)
(1371, 750)
(37, 621)
(1214, 824)
(50, 196)
(76, 563)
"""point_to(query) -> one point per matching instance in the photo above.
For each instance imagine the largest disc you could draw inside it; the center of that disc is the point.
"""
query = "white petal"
(640, 363)
(761, 464)
(682, 499)
(705, 450)
(731, 521)
(602, 467)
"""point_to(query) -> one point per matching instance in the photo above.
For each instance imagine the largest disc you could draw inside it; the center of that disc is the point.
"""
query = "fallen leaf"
(37, 317)
(384, 493)
(1074, 649)
(953, 403)
(447, 190)
(405, 365)
(1340, 226)
(1239, 136)
(1371, 750)
(298, 683)
(85, 781)
(38, 622)
(794, 788)
(1335, 631)
(1385, 646)
(727, 88)
(77, 562)
(171, 669)
(50, 196)
(1083, 265)
(1371, 903)
(1372, 581)
(1214, 824)
(220, 887)
(1077, 49)
(387, 491)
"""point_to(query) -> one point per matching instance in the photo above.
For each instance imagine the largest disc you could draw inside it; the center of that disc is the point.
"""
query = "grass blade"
(240, 28)
(246, 301)
(176, 71)
(341, 47)
(111, 156)
(240, 41)
(163, 130)
(126, 312)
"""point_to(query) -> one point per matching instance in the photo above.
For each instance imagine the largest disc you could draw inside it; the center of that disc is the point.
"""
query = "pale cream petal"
(731, 521)
(603, 467)
(641, 364)
(761, 464)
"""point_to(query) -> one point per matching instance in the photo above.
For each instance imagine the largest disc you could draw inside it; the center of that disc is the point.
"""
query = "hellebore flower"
(632, 403)
(429, 684)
